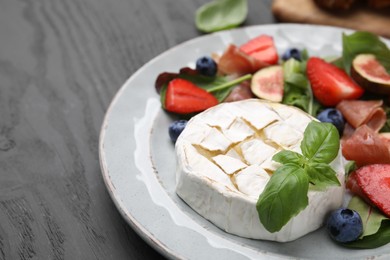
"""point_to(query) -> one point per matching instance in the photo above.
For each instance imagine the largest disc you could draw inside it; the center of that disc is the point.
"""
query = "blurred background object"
(366, 15)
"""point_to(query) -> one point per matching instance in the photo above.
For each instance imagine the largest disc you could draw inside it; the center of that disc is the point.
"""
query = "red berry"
(331, 84)
(372, 182)
(261, 48)
(184, 97)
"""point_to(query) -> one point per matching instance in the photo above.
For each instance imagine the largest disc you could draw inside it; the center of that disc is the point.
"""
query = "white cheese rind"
(228, 197)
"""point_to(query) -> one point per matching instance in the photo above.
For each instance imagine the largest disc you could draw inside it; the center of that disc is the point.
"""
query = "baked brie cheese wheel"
(224, 160)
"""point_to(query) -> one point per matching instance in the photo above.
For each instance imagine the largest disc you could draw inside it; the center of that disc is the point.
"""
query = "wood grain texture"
(61, 63)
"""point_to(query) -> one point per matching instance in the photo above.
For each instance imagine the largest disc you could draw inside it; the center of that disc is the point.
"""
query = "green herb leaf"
(297, 90)
(364, 42)
(163, 93)
(350, 167)
(287, 156)
(371, 217)
(322, 175)
(321, 142)
(284, 196)
(380, 238)
(221, 15)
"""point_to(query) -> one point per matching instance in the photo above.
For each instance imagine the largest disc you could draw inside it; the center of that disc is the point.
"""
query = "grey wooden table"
(61, 63)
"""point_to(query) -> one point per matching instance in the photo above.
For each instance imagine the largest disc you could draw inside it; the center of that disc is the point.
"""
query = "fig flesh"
(370, 74)
(268, 83)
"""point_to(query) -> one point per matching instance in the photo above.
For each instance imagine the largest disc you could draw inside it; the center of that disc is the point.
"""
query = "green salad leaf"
(297, 89)
(364, 42)
(380, 238)
(371, 216)
(285, 195)
(221, 15)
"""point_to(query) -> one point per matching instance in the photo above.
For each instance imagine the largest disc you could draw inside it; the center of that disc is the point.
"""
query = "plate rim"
(135, 224)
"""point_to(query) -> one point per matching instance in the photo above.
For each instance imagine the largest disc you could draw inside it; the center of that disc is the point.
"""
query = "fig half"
(268, 84)
(370, 74)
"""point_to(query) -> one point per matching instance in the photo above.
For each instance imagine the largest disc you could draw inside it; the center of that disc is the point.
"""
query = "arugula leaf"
(320, 142)
(221, 15)
(364, 42)
(284, 196)
(297, 90)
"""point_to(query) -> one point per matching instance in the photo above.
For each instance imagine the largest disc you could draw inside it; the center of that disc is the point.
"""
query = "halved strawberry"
(329, 83)
(262, 48)
(372, 183)
(184, 97)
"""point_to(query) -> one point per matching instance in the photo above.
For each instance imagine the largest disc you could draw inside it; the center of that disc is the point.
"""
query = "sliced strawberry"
(329, 83)
(373, 181)
(184, 97)
(261, 48)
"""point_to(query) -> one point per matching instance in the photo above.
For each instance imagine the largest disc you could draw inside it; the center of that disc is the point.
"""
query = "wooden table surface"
(61, 63)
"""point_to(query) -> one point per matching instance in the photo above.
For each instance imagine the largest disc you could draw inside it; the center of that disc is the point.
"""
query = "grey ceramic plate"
(138, 162)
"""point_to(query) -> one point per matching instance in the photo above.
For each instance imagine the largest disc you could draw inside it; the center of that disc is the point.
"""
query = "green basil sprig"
(285, 195)
(221, 15)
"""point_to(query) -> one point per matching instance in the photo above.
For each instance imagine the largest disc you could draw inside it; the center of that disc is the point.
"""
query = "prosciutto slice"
(360, 112)
(365, 146)
(235, 61)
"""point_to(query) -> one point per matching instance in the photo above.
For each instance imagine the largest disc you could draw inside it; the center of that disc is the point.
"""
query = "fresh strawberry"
(372, 183)
(329, 83)
(184, 97)
(262, 48)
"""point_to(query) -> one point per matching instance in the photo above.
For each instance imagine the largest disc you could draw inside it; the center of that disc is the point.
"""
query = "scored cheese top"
(224, 161)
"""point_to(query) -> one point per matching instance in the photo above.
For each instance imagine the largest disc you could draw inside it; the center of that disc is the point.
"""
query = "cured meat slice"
(234, 61)
(240, 92)
(360, 112)
(365, 146)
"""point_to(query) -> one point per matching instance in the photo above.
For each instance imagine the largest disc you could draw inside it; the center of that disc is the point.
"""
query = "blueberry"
(334, 116)
(206, 66)
(175, 129)
(292, 53)
(344, 225)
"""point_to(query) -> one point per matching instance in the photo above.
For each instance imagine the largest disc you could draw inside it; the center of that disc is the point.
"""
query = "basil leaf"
(221, 15)
(284, 196)
(287, 156)
(380, 238)
(364, 42)
(322, 175)
(371, 217)
(320, 142)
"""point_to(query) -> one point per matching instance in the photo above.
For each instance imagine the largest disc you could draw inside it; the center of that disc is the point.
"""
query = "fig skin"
(379, 84)
(268, 84)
